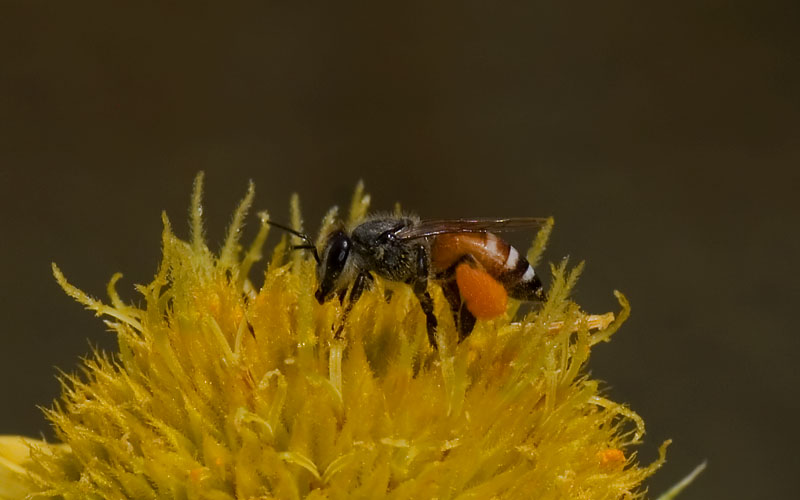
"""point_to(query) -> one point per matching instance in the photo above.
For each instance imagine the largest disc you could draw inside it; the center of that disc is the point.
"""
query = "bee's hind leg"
(464, 320)
(420, 288)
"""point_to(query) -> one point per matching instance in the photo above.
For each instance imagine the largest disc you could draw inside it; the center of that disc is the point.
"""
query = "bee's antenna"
(309, 245)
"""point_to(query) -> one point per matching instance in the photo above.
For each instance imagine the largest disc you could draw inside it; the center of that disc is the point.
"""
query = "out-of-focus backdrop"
(662, 136)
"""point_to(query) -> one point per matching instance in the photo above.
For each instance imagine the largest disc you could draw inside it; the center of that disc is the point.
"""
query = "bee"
(476, 269)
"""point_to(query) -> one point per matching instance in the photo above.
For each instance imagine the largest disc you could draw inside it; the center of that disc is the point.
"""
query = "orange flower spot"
(484, 296)
(611, 457)
(209, 301)
(196, 475)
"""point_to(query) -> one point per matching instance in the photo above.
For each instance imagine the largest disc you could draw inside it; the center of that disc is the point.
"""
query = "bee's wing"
(432, 227)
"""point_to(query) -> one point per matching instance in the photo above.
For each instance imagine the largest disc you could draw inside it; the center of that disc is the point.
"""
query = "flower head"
(224, 390)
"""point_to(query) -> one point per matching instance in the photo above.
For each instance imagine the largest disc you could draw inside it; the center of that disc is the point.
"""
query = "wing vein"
(432, 227)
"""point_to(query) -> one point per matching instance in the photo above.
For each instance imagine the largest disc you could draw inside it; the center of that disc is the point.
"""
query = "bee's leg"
(426, 302)
(420, 287)
(361, 283)
(463, 319)
(341, 295)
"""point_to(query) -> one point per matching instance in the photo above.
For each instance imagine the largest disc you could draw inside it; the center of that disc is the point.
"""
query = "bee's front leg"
(420, 286)
(362, 282)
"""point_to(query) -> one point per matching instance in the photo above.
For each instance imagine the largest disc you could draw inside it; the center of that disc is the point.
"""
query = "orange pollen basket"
(484, 296)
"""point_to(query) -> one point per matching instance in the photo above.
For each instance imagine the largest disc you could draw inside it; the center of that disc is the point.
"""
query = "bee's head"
(332, 266)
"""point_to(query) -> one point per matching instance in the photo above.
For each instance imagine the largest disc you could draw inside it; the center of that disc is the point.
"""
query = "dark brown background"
(663, 138)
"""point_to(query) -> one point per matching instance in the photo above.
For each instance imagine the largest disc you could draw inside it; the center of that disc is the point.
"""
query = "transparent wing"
(432, 227)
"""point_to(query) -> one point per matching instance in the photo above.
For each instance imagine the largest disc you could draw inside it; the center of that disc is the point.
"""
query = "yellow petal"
(14, 454)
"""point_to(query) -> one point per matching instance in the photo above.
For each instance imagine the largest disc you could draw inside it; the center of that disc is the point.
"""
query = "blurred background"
(661, 136)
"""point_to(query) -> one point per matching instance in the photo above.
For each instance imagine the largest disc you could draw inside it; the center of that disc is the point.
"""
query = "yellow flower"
(222, 389)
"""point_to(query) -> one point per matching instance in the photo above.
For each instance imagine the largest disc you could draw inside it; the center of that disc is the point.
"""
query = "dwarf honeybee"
(410, 250)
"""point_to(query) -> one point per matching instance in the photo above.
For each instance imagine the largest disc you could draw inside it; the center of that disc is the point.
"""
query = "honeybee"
(476, 269)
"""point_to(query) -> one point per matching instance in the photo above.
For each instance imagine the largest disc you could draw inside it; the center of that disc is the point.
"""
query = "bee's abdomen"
(501, 260)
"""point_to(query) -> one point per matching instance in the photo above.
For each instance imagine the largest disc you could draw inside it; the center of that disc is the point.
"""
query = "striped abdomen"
(501, 260)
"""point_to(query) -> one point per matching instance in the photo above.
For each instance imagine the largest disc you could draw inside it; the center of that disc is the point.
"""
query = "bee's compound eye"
(333, 262)
(338, 252)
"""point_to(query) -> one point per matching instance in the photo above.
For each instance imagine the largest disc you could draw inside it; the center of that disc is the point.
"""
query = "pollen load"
(483, 295)
(494, 257)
